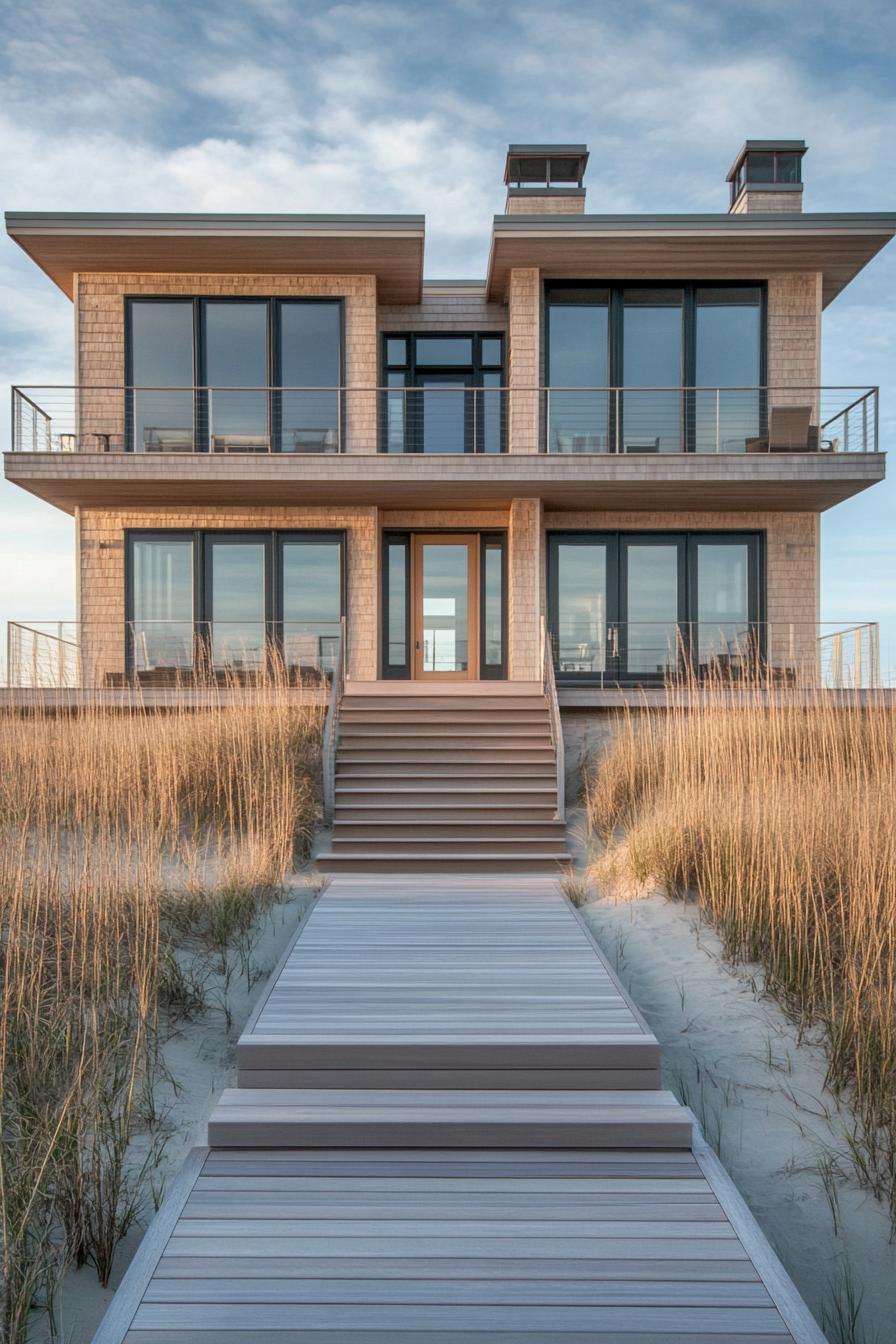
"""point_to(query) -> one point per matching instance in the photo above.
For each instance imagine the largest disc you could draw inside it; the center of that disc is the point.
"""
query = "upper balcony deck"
(660, 448)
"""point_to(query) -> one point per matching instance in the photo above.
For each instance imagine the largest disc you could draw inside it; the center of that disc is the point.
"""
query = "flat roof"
(704, 246)
(388, 246)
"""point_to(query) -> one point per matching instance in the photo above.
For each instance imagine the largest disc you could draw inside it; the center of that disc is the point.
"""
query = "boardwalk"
(449, 1127)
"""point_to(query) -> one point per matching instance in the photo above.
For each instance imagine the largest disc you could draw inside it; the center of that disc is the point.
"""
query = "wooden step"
(524, 833)
(449, 1119)
(388, 810)
(520, 758)
(445, 770)
(499, 744)
(443, 714)
(455, 860)
(424, 795)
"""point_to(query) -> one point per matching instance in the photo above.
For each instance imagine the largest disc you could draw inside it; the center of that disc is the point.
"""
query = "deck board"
(404, 995)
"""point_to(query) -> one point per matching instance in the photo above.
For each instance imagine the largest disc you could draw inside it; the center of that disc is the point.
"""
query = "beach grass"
(780, 819)
(126, 840)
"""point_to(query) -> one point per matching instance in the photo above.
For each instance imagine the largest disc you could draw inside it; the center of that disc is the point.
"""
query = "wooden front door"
(445, 607)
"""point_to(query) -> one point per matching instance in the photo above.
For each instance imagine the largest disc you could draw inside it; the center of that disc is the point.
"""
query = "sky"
(408, 107)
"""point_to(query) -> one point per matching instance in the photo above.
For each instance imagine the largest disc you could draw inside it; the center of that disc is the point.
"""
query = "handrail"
(550, 693)
(337, 686)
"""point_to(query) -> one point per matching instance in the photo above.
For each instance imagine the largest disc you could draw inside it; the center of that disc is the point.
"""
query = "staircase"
(445, 782)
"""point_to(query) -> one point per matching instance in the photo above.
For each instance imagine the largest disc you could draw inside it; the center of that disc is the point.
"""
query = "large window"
(233, 601)
(635, 607)
(623, 363)
(444, 393)
(258, 375)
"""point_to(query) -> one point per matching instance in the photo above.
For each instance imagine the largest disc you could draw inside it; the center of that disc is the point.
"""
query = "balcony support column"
(524, 589)
(524, 359)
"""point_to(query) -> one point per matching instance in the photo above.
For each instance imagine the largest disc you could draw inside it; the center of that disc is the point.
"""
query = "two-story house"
(616, 447)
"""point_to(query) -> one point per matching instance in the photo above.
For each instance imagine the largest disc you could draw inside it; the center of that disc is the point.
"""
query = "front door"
(445, 602)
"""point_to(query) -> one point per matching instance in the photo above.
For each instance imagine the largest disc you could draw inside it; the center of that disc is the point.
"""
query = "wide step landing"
(397, 1118)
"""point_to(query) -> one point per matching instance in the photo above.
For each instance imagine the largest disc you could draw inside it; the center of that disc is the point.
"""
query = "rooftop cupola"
(545, 179)
(767, 178)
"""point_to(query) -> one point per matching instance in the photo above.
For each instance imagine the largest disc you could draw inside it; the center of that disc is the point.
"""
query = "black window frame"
(274, 302)
(202, 540)
(403, 536)
(615, 303)
(688, 541)
(413, 370)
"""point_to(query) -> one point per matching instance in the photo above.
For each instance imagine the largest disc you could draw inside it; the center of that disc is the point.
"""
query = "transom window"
(444, 393)
(234, 375)
(648, 368)
(233, 601)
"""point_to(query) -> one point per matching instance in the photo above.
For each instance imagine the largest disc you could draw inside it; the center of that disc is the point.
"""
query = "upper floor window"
(647, 368)
(234, 375)
(444, 393)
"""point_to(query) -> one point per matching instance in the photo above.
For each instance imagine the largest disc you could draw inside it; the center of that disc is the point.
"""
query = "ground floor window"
(233, 601)
(444, 605)
(636, 606)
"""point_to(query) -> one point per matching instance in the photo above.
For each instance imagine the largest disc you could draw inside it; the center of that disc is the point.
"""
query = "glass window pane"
(652, 360)
(440, 350)
(728, 349)
(493, 604)
(312, 603)
(445, 592)
(160, 343)
(395, 412)
(723, 602)
(760, 167)
(578, 359)
(236, 356)
(651, 618)
(581, 617)
(491, 351)
(396, 351)
(445, 408)
(237, 604)
(161, 618)
(309, 357)
(788, 168)
(492, 408)
(397, 586)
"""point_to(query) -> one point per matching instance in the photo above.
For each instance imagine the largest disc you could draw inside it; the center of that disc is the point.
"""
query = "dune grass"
(124, 839)
(781, 821)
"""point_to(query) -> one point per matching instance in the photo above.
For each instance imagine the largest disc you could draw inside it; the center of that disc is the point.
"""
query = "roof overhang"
(710, 247)
(387, 246)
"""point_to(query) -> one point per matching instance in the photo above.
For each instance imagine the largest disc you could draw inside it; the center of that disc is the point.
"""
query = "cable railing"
(805, 654)
(575, 651)
(444, 418)
(331, 727)
(69, 655)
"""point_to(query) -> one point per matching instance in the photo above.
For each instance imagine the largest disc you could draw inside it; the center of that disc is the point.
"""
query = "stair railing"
(550, 694)
(331, 725)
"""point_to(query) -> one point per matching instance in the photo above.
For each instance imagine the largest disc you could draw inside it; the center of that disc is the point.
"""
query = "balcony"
(708, 448)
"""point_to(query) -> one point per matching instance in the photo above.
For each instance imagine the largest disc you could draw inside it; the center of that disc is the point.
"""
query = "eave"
(387, 246)
(671, 247)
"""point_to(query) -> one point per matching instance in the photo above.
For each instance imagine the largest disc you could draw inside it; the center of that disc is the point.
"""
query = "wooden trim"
(129, 1294)
(781, 1289)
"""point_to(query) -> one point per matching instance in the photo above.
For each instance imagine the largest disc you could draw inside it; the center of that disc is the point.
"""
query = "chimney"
(766, 178)
(545, 179)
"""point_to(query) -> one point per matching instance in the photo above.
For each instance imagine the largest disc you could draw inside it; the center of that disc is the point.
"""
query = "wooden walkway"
(413, 1015)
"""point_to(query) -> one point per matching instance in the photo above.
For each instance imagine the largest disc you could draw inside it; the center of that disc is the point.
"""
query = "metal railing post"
(718, 419)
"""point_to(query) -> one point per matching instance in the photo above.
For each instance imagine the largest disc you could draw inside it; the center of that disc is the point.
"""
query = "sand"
(758, 1092)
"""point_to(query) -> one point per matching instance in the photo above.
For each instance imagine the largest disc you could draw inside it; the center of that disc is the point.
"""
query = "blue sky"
(276, 106)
